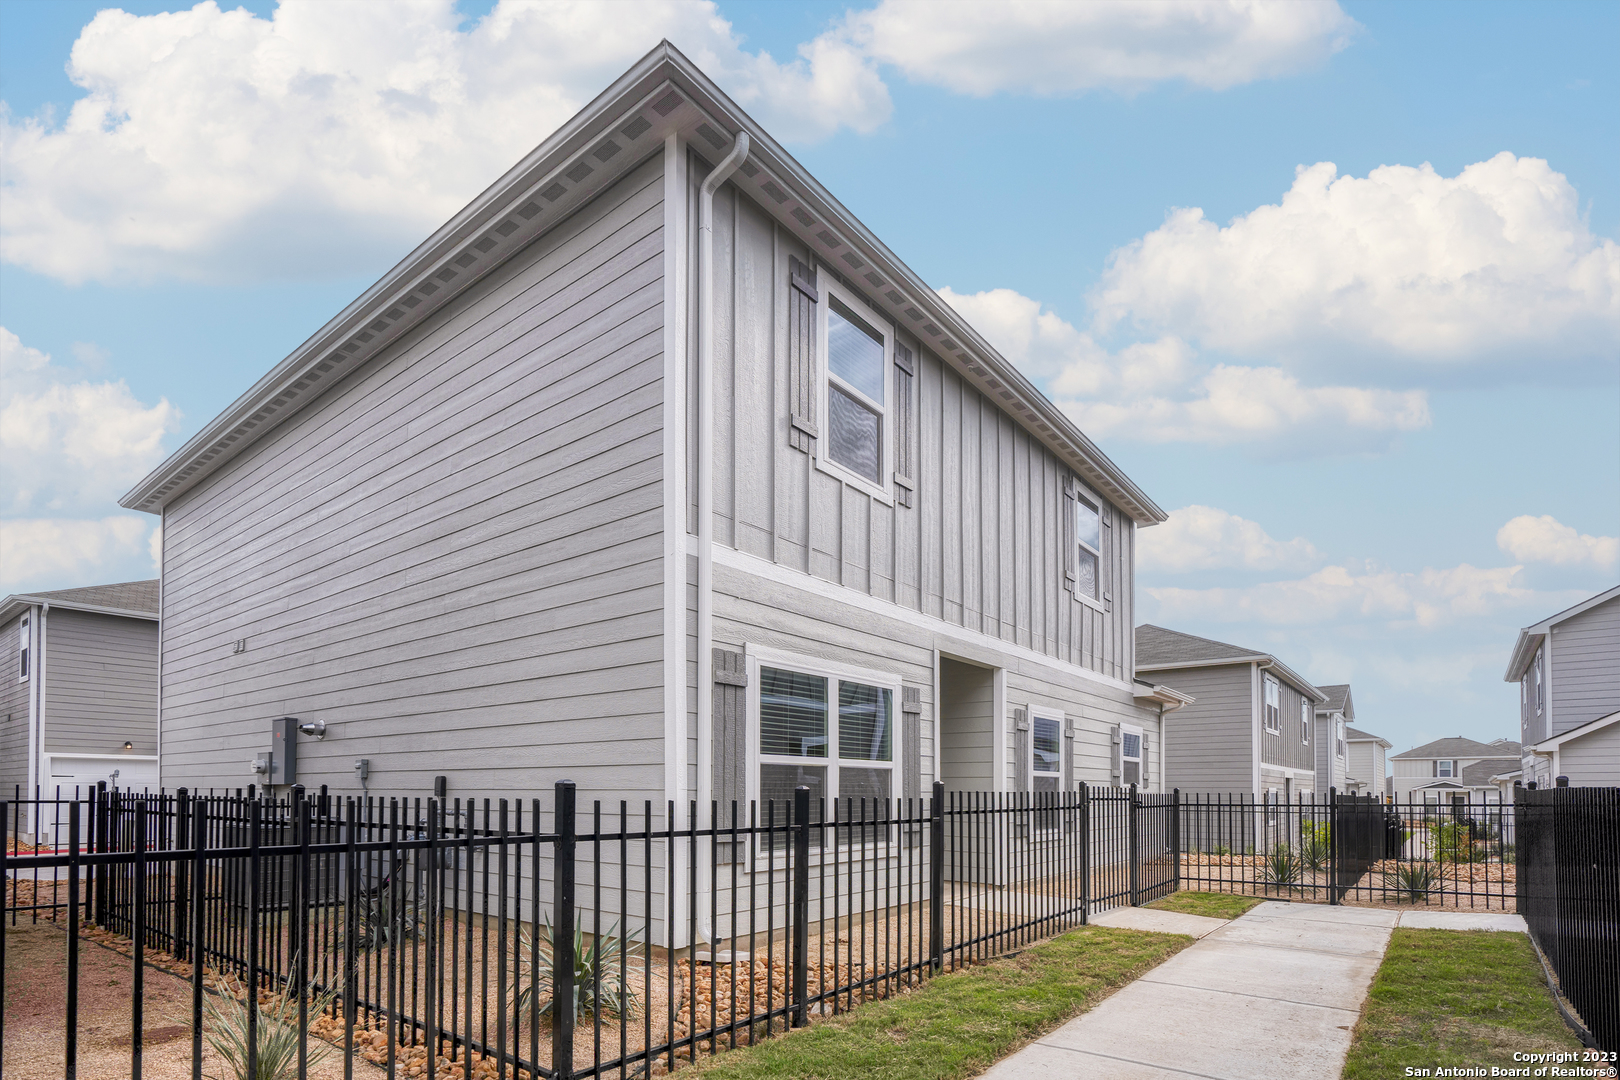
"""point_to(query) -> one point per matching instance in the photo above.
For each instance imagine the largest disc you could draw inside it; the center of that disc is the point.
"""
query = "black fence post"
(1334, 840)
(1175, 835)
(562, 937)
(71, 1049)
(182, 840)
(936, 878)
(801, 903)
(1085, 853)
(98, 875)
(138, 968)
(1133, 807)
(198, 950)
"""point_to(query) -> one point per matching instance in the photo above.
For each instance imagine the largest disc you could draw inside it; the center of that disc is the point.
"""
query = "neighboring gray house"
(79, 688)
(1568, 671)
(1251, 726)
(1332, 742)
(1369, 770)
(1453, 769)
(655, 470)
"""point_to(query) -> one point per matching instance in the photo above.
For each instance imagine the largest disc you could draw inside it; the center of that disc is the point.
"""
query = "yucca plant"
(1315, 843)
(597, 966)
(225, 1026)
(1415, 880)
(375, 923)
(1220, 849)
(1282, 866)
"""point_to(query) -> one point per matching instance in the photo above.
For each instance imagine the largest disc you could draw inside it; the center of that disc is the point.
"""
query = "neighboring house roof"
(664, 93)
(1507, 746)
(1484, 773)
(1338, 700)
(136, 599)
(1158, 649)
(1547, 746)
(1531, 637)
(1456, 747)
(1352, 734)
(1144, 690)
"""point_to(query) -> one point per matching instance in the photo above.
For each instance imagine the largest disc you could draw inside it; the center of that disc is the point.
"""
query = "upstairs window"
(858, 355)
(22, 649)
(1338, 737)
(1088, 546)
(1540, 691)
(1305, 721)
(1445, 768)
(1273, 705)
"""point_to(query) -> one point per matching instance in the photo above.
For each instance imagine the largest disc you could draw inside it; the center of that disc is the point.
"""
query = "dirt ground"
(36, 1002)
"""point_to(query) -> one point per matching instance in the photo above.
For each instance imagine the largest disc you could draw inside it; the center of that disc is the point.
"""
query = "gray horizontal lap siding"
(1094, 713)
(453, 557)
(14, 709)
(1585, 677)
(983, 545)
(1593, 760)
(1209, 744)
(101, 684)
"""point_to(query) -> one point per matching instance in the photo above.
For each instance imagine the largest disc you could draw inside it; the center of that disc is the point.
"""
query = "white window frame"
(1037, 714)
(759, 657)
(1082, 495)
(1338, 736)
(1541, 693)
(1271, 715)
(825, 378)
(1307, 714)
(25, 655)
(1140, 758)
(1446, 767)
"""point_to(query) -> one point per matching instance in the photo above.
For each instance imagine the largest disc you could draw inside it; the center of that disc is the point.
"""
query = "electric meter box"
(283, 751)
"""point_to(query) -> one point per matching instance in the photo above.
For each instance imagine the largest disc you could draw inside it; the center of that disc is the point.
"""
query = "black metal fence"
(1569, 895)
(450, 927)
(1352, 849)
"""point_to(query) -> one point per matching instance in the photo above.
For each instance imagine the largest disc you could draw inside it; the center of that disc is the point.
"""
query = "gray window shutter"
(728, 761)
(1143, 785)
(1021, 748)
(905, 372)
(1118, 759)
(1067, 531)
(802, 331)
(1068, 754)
(911, 765)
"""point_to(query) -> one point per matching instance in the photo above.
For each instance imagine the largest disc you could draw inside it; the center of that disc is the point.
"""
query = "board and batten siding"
(101, 684)
(1209, 744)
(454, 556)
(982, 546)
(14, 708)
(1585, 676)
(1284, 746)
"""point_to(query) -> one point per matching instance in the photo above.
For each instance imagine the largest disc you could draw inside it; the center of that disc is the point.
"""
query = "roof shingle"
(125, 595)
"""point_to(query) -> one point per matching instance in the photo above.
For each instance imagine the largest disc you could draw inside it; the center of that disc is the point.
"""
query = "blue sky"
(1385, 412)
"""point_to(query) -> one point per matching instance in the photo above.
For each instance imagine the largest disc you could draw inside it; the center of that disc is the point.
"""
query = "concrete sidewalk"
(1272, 994)
(1275, 993)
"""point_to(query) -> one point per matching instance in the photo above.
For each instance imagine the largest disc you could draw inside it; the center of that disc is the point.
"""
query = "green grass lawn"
(1214, 905)
(956, 1025)
(1454, 997)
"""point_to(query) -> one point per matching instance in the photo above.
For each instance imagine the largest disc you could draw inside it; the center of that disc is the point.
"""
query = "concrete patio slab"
(1308, 978)
(1214, 1033)
(1464, 920)
(1348, 939)
(1160, 922)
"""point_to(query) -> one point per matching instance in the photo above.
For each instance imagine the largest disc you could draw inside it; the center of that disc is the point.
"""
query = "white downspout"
(705, 493)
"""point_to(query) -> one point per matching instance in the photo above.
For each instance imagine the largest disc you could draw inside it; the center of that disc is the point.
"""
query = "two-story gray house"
(1368, 764)
(1251, 727)
(1568, 671)
(1453, 769)
(1333, 718)
(79, 689)
(653, 469)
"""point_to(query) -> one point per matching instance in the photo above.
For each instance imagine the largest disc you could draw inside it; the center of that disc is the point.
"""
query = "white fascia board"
(1269, 662)
(1530, 638)
(15, 605)
(1164, 695)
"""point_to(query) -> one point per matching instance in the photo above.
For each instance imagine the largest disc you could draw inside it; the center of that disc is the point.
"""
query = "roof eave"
(15, 605)
(293, 381)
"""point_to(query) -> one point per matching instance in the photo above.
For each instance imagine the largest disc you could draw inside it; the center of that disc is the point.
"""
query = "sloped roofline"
(15, 605)
(663, 93)
(1548, 745)
(1531, 637)
(1352, 734)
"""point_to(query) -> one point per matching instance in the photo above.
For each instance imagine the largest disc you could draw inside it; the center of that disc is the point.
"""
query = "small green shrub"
(376, 925)
(1415, 881)
(1220, 849)
(600, 961)
(225, 1026)
(1453, 841)
(1315, 845)
(1282, 866)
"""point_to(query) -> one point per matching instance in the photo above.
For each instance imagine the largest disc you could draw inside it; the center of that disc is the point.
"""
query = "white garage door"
(75, 777)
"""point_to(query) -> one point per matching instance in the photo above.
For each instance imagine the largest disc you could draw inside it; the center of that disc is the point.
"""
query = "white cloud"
(1349, 593)
(154, 548)
(1054, 48)
(1496, 263)
(220, 143)
(1159, 391)
(65, 553)
(68, 446)
(1545, 539)
(1207, 538)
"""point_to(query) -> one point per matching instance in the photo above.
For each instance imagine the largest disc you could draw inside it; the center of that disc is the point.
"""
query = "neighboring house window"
(1273, 705)
(1130, 755)
(1445, 768)
(1305, 721)
(1339, 736)
(22, 649)
(859, 356)
(830, 734)
(1046, 748)
(1540, 694)
(1088, 553)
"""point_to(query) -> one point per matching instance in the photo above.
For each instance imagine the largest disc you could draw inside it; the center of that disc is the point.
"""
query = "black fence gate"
(1359, 837)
